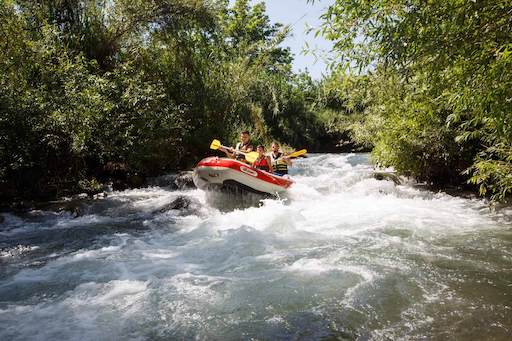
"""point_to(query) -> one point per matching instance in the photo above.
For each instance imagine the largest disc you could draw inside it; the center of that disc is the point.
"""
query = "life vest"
(278, 164)
(241, 148)
(261, 164)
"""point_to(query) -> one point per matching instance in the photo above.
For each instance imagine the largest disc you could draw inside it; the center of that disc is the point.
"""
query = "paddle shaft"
(233, 150)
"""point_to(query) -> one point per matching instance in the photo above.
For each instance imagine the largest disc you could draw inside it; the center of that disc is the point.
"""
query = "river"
(343, 257)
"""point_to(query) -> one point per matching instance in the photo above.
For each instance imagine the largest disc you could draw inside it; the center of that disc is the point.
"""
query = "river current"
(343, 257)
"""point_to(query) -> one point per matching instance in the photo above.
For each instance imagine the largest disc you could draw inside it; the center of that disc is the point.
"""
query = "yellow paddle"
(250, 157)
(297, 153)
(215, 144)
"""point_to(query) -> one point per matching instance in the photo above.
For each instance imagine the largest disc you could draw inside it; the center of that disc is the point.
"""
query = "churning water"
(344, 257)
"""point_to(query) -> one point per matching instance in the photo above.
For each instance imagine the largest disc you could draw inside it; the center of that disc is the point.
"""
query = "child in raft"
(263, 161)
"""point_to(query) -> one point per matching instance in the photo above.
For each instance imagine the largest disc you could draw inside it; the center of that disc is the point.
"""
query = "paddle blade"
(298, 153)
(251, 157)
(215, 144)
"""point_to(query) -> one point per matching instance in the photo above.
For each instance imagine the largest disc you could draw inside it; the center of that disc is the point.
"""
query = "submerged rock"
(180, 181)
(387, 176)
(177, 204)
(73, 207)
(186, 205)
(184, 180)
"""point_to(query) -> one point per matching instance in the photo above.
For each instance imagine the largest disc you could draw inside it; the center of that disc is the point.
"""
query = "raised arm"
(287, 160)
(229, 152)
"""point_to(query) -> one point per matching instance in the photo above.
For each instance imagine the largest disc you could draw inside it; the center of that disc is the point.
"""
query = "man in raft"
(279, 161)
(243, 146)
(263, 161)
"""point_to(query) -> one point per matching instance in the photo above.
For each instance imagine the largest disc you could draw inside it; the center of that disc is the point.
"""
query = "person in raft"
(279, 161)
(263, 161)
(243, 146)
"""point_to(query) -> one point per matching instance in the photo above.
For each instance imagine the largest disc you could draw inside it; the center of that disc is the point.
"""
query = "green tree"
(143, 85)
(446, 66)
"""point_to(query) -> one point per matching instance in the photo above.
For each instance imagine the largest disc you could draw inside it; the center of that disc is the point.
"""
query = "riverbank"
(119, 178)
(28, 189)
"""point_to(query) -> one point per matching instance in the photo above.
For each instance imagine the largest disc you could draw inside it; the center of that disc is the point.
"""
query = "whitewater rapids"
(344, 256)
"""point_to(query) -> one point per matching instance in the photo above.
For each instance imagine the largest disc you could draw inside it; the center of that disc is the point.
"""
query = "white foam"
(17, 251)
(337, 236)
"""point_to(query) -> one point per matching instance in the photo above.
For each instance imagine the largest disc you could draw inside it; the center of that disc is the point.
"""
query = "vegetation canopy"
(439, 77)
(90, 88)
(93, 90)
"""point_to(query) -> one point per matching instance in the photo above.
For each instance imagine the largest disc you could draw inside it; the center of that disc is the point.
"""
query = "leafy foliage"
(441, 84)
(143, 85)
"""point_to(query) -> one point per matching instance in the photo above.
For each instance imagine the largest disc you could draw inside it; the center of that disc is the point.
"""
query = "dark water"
(344, 257)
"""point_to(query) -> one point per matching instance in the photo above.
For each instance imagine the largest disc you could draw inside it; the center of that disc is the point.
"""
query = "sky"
(298, 14)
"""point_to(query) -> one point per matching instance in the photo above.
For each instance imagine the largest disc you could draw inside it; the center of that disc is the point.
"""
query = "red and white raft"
(215, 173)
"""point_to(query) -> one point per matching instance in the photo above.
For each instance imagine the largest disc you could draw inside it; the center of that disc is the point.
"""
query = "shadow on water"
(228, 198)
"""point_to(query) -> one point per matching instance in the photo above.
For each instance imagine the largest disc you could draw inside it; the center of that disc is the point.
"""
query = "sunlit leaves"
(145, 84)
(451, 56)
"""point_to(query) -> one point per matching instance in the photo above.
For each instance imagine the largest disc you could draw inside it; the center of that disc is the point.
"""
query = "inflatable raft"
(216, 173)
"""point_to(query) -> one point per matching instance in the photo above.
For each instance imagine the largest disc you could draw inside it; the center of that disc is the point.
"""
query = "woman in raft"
(263, 161)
